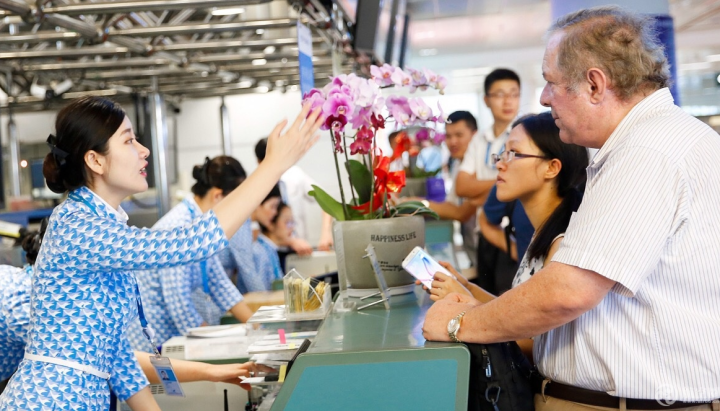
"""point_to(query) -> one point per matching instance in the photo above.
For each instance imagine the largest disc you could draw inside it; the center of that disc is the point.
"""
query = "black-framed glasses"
(510, 155)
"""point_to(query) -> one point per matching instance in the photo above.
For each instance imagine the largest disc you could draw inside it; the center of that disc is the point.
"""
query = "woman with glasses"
(178, 298)
(548, 177)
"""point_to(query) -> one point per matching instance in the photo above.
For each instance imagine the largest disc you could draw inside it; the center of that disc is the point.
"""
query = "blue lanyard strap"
(148, 332)
(203, 263)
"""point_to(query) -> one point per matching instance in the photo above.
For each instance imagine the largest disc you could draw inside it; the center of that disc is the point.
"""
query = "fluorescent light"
(471, 72)
(427, 52)
(269, 50)
(713, 57)
(695, 66)
(259, 62)
(228, 11)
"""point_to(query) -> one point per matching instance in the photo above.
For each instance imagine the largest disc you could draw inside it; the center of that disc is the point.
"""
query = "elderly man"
(627, 315)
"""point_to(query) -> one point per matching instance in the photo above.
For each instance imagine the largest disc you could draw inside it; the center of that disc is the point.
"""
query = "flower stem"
(337, 171)
(347, 167)
(372, 176)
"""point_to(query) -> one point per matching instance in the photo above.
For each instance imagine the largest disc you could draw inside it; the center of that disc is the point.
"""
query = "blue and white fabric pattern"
(238, 255)
(173, 298)
(14, 317)
(267, 261)
(83, 298)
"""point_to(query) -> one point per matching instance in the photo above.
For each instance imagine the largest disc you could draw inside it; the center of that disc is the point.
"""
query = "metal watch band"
(452, 334)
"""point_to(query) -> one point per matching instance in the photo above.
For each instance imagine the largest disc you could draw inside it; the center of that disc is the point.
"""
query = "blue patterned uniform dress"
(14, 317)
(168, 293)
(239, 256)
(83, 297)
(267, 261)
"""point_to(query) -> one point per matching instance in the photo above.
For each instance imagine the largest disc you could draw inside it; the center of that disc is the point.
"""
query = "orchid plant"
(404, 143)
(355, 109)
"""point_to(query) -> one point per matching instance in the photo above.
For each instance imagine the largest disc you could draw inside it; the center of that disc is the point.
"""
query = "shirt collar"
(193, 206)
(642, 110)
(100, 206)
(490, 135)
(264, 239)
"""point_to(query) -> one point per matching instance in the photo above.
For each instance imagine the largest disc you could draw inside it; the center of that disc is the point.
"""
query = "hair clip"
(205, 173)
(60, 155)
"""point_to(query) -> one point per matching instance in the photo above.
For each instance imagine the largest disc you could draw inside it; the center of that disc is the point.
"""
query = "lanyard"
(148, 332)
(203, 263)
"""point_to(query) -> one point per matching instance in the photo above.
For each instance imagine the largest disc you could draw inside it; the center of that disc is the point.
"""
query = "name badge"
(167, 376)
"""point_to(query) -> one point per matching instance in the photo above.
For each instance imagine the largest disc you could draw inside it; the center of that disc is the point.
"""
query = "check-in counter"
(377, 359)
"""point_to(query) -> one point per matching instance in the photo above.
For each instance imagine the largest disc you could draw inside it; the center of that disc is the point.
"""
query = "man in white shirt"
(477, 172)
(626, 316)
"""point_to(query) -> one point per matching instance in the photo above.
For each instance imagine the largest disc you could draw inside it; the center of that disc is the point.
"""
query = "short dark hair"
(465, 116)
(223, 172)
(32, 240)
(274, 192)
(261, 149)
(280, 208)
(83, 125)
(500, 74)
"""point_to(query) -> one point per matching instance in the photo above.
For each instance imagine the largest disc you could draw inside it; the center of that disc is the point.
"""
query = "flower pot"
(435, 189)
(393, 239)
(414, 187)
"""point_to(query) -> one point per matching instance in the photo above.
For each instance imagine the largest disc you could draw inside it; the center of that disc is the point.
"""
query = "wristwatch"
(454, 327)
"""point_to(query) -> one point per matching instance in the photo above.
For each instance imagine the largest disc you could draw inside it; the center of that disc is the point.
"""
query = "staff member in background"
(168, 292)
(15, 321)
(477, 171)
(84, 292)
(626, 316)
(294, 186)
(460, 129)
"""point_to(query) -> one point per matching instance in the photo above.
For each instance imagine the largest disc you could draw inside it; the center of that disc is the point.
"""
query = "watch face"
(453, 325)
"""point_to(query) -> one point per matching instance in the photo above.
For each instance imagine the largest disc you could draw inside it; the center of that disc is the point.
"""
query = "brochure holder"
(384, 293)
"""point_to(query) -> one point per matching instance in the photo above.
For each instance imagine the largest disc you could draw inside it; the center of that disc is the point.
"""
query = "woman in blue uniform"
(84, 292)
(168, 293)
(15, 321)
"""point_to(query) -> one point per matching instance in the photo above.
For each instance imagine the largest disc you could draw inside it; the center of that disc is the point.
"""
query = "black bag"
(495, 268)
(500, 378)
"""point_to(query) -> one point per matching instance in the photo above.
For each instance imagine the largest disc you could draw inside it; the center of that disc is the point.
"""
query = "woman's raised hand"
(284, 150)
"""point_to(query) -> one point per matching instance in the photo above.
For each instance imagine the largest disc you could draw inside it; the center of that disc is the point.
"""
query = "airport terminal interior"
(392, 264)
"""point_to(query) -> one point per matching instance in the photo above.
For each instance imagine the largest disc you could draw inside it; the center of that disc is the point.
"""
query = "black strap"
(60, 155)
(509, 209)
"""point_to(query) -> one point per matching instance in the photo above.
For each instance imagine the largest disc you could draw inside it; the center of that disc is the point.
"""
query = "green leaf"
(333, 207)
(413, 208)
(327, 203)
(361, 179)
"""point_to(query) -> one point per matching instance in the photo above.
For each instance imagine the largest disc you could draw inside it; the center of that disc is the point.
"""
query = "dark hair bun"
(52, 174)
(198, 173)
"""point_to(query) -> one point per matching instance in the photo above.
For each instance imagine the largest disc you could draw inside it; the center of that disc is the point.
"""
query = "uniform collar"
(490, 135)
(193, 206)
(642, 110)
(98, 205)
(264, 239)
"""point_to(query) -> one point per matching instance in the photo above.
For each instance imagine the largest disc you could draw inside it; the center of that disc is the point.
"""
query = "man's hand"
(440, 314)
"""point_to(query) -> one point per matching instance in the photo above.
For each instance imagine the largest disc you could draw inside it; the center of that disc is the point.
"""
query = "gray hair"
(620, 43)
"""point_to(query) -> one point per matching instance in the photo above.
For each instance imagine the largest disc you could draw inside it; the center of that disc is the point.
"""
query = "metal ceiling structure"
(51, 50)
